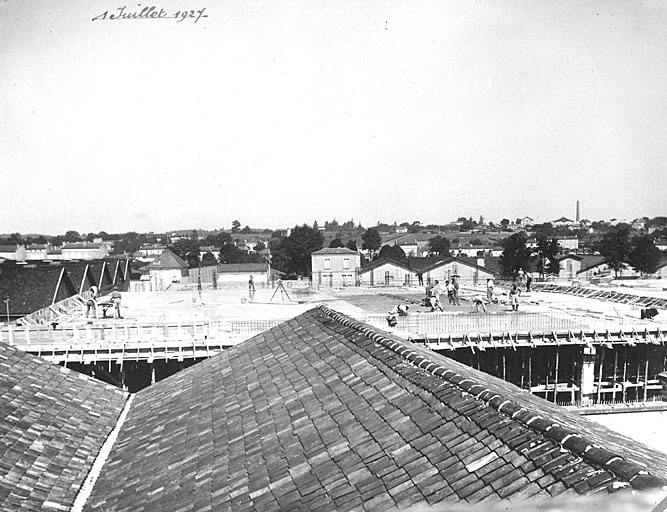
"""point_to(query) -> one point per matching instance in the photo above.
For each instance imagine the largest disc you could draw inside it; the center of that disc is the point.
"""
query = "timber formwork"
(597, 293)
(604, 338)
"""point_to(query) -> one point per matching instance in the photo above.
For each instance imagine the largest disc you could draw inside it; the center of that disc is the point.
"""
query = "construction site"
(572, 345)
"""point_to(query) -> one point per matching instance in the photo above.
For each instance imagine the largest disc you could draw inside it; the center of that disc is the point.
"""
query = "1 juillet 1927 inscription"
(151, 12)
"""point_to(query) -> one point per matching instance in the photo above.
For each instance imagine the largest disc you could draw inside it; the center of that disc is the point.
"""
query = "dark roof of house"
(335, 250)
(78, 272)
(424, 263)
(169, 260)
(32, 287)
(590, 261)
(372, 265)
(324, 413)
(83, 245)
(53, 422)
(430, 263)
(101, 272)
(243, 268)
(8, 248)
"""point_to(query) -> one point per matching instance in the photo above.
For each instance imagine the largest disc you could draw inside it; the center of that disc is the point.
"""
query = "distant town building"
(85, 251)
(564, 222)
(166, 269)
(13, 252)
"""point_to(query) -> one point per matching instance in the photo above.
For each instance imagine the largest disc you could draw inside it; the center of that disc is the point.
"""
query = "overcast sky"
(279, 113)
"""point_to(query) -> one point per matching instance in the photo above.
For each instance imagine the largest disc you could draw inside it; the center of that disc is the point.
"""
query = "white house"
(166, 269)
(563, 222)
(13, 252)
(474, 251)
(37, 251)
(335, 267)
(84, 251)
(151, 250)
(525, 222)
(569, 266)
(568, 242)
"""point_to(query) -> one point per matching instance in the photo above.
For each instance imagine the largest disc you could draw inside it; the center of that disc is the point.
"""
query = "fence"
(132, 342)
(435, 324)
(238, 285)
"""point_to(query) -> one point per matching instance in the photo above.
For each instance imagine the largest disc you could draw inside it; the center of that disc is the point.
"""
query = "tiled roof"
(384, 261)
(426, 262)
(30, 287)
(590, 261)
(82, 245)
(53, 422)
(432, 262)
(335, 250)
(169, 260)
(80, 274)
(323, 413)
(242, 268)
(101, 273)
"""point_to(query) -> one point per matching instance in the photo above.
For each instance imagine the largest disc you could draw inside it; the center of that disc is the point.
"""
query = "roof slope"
(30, 287)
(53, 422)
(232, 268)
(169, 260)
(80, 274)
(335, 250)
(325, 413)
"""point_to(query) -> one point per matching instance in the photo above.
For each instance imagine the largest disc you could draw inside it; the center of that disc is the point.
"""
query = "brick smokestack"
(578, 217)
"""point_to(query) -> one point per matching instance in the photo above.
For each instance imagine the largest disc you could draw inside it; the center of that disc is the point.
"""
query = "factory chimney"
(578, 217)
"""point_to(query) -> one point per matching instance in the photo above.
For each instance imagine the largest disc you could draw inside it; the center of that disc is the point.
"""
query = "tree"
(72, 236)
(236, 225)
(188, 250)
(230, 253)
(209, 259)
(439, 245)
(351, 244)
(259, 247)
(515, 254)
(246, 230)
(545, 229)
(505, 222)
(392, 252)
(315, 226)
(615, 247)
(467, 224)
(336, 242)
(219, 239)
(15, 239)
(302, 242)
(547, 252)
(371, 240)
(644, 255)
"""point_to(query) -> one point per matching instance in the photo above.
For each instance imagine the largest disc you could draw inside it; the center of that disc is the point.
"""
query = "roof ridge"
(574, 442)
